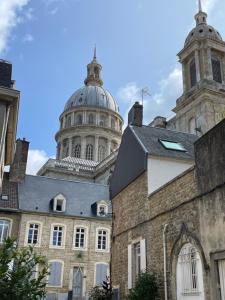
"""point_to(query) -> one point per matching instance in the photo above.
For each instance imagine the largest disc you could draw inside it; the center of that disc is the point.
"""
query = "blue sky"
(50, 43)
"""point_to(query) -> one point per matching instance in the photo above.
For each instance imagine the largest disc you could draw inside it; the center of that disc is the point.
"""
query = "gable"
(131, 162)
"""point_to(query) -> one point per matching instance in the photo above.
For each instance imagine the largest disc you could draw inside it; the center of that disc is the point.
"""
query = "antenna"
(144, 92)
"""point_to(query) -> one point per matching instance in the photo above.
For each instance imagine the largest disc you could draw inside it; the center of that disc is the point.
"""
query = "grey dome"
(203, 31)
(94, 96)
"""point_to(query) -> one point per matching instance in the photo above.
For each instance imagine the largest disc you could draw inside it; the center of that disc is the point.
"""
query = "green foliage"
(17, 275)
(145, 288)
(99, 293)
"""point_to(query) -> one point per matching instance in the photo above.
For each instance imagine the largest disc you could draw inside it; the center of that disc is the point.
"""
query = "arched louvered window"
(193, 75)
(65, 152)
(101, 153)
(89, 152)
(102, 121)
(216, 69)
(77, 151)
(91, 119)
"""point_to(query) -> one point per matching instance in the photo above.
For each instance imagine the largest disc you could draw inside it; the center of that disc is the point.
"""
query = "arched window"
(101, 153)
(91, 119)
(102, 121)
(4, 230)
(77, 151)
(216, 69)
(193, 75)
(79, 119)
(89, 152)
(189, 274)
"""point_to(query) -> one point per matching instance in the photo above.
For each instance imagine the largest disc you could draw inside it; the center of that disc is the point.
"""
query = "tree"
(19, 279)
(145, 288)
(103, 292)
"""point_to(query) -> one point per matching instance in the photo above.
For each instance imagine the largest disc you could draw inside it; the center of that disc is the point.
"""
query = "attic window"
(59, 204)
(172, 145)
(102, 210)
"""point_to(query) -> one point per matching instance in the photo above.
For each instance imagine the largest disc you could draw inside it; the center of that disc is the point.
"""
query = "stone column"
(223, 68)
(70, 147)
(108, 150)
(84, 117)
(83, 147)
(209, 60)
(73, 119)
(96, 148)
(197, 65)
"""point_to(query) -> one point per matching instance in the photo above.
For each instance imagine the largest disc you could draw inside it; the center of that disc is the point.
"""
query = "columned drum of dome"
(90, 125)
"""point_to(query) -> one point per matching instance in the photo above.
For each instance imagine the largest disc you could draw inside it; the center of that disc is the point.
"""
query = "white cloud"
(161, 102)
(28, 38)
(208, 5)
(36, 159)
(9, 18)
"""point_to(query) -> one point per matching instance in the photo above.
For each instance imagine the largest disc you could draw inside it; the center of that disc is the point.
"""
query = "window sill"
(187, 294)
(57, 247)
(102, 251)
(79, 249)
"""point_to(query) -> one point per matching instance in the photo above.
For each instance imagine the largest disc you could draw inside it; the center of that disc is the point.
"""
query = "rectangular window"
(102, 240)
(4, 230)
(33, 234)
(172, 145)
(57, 236)
(55, 277)
(136, 262)
(80, 238)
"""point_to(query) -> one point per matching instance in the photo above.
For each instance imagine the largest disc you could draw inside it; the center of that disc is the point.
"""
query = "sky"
(50, 42)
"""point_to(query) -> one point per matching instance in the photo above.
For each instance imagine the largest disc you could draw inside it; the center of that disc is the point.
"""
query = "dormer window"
(59, 203)
(102, 210)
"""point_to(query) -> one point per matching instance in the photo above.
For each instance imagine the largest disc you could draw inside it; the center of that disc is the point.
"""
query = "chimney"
(158, 122)
(18, 167)
(5, 74)
(135, 115)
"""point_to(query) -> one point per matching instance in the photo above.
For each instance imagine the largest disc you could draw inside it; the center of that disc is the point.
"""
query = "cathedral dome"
(203, 31)
(93, 96)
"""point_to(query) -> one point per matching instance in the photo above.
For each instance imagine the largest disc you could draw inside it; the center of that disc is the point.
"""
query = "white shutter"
(222, 278)
(143, 255)
(129, 266)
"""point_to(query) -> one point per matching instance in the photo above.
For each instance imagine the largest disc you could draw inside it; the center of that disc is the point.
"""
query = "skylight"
(172, 145)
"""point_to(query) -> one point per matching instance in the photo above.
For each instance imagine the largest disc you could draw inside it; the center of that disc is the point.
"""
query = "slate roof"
(35, 193)
(149, 137)
(9, 189)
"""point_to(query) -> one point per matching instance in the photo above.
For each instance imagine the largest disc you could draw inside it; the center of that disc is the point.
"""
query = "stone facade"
(86, 259)
(192, 208)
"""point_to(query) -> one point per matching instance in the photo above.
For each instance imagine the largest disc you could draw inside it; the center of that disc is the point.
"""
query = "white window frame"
(85, 238)
(100, 263)
(107, 239)
(40, 224)
(132, 260)
(63, 236)
(62, 273)
(10, 226)
(59, 197)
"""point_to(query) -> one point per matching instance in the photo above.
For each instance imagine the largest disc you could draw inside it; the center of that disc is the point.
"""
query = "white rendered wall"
(162, 170)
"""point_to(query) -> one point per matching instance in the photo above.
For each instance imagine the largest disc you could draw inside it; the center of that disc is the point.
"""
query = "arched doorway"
(189, 274)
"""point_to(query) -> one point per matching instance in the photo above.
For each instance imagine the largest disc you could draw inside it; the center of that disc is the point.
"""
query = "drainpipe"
(165, 260)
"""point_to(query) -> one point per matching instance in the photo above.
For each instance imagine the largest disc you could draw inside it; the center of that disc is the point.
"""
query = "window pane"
(172, 145)
(4, 230)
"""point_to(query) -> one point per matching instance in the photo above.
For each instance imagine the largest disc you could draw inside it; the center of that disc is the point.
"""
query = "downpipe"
(165, 260)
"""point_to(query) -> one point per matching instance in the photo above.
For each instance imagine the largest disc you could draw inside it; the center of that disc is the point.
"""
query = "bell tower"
(202, 104)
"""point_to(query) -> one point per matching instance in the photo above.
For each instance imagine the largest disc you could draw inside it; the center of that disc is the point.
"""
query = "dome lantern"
(94, 72)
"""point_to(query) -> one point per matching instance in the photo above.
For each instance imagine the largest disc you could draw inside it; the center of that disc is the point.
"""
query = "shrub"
(145, 288)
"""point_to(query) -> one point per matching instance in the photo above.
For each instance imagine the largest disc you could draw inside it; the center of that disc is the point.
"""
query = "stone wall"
(68, 255)
(191, 217)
